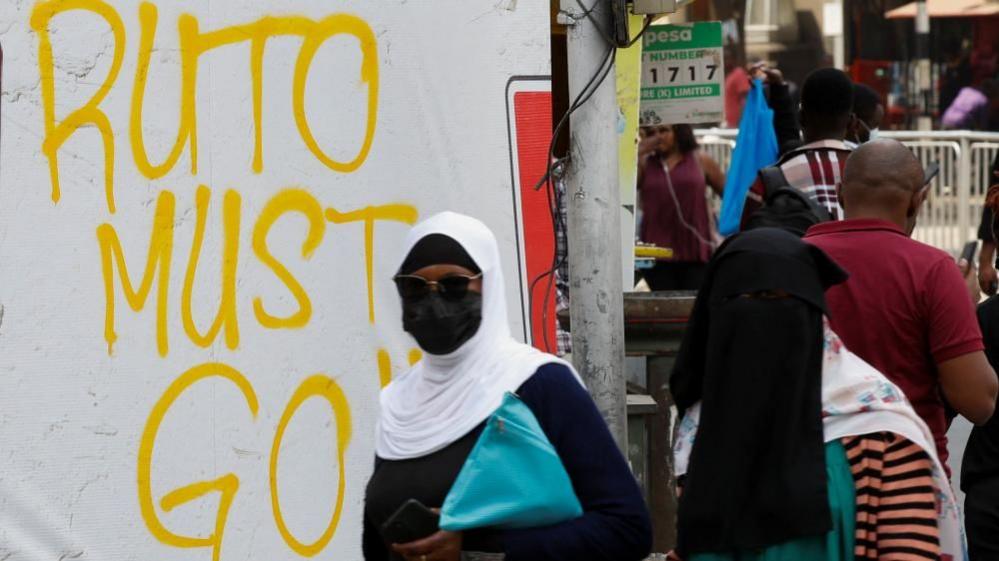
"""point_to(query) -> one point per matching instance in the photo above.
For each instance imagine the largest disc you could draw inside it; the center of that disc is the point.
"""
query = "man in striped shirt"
(816, 167)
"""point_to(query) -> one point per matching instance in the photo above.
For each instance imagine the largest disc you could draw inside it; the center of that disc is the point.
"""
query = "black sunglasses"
(453, 287)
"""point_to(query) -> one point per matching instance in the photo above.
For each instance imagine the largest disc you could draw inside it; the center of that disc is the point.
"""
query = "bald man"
(905, 307)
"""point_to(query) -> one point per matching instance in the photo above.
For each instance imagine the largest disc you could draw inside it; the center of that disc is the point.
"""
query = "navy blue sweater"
(615, 523)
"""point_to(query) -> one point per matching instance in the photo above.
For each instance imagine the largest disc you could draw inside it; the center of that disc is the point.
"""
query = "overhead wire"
(553, 196)
(556, 165)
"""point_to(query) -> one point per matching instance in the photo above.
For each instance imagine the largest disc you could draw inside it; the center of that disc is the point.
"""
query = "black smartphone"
(968, 253)
(411, 522)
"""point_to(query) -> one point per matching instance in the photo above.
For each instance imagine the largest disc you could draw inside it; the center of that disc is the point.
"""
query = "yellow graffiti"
(194, 44)
(226, 485)
(314, 33)
(404, 213)
(187, 129)
(384, 367)
(385, 364)
(56, 134)
(314, 386)
(159, 257)
(226, 314)
(289, 200)
(415, 355)
(327, 28)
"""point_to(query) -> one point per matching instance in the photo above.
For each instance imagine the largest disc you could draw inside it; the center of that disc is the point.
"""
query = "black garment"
(615, 523)
(981, 520)
(785, 118)
(788, 208)
(436, 249)
(675, 276)
(981, 456)
(428, 480)
(757, 470)
(980, 467)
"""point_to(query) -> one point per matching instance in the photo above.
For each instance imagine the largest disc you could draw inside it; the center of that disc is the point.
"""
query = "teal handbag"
(513, 478)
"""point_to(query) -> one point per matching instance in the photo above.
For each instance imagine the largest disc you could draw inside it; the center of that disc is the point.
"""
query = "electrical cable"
(645, 27)
(589, 15)
(561, 123)
(552, 194)
(607, 37)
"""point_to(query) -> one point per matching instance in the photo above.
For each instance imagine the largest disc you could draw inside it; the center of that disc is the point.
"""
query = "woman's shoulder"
(556, 372)
(551, 378)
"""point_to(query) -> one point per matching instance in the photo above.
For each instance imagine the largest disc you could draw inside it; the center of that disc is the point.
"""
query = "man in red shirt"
(905, 307)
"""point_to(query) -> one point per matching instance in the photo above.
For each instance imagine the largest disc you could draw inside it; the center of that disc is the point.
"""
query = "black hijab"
(757, 469)
(437, 249)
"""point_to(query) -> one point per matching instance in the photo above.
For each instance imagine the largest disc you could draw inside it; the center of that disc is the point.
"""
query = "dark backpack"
(784, 206)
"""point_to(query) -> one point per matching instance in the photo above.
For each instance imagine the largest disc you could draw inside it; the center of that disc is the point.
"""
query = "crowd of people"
(807, 297)
(826, 356)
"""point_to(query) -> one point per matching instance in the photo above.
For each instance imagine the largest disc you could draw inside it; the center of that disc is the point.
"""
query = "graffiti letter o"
(334, 25)
(325, 387)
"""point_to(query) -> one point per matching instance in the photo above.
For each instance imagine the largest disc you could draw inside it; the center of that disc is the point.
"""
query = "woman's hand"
(442, 546)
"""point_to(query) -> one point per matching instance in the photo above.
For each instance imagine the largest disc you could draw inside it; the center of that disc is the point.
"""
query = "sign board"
(683, 74)
(202, 205)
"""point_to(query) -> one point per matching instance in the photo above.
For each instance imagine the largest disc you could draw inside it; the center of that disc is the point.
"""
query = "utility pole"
(594, 231)
(925, 121)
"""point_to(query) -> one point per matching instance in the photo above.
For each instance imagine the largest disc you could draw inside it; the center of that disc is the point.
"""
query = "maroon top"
(661, 219)
(905, 309)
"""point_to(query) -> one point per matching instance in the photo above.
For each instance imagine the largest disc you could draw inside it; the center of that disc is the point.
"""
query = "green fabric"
(837, 545)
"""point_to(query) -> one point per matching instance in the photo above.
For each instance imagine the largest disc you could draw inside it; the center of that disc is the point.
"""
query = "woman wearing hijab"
(802, 450)
(454, 305)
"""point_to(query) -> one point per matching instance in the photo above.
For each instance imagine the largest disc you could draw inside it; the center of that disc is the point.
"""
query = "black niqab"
(757, 469)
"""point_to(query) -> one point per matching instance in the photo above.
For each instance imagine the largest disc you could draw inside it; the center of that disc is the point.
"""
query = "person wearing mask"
(971, 108)
(905, 308)
(454, 305)
(815, 168)
(868, 112)
(673, 176)
(792, 447)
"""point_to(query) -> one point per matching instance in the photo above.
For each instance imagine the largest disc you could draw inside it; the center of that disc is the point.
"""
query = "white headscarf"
(443, 397)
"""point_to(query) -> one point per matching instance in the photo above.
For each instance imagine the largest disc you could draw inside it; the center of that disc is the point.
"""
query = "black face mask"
(439, 325)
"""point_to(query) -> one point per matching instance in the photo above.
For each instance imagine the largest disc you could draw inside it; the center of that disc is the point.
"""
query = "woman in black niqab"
(752, 355)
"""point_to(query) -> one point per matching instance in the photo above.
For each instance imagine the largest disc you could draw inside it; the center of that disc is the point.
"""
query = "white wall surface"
(76, 418)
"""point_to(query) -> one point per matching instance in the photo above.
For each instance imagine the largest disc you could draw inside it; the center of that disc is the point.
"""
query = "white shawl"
(443, 397)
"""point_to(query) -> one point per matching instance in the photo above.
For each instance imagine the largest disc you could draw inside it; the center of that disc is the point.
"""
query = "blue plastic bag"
(755, 148)
(513, 478)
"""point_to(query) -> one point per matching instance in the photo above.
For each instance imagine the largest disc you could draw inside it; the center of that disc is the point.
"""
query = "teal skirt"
(837, 545)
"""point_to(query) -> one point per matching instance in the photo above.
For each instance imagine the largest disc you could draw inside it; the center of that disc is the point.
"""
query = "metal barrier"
(952, 211)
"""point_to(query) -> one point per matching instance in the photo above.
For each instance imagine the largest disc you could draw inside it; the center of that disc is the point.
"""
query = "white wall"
(73, 416)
